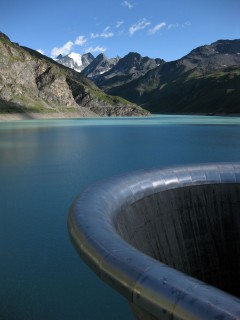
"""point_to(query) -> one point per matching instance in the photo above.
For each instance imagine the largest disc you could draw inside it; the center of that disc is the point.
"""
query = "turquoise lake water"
(44, 164)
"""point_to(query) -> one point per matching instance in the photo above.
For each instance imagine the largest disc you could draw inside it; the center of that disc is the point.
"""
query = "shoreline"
(75, 115)
(40, 116)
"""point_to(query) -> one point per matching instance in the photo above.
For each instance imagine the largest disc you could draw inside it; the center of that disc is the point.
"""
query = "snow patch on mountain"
(75, 61)
(77, 58)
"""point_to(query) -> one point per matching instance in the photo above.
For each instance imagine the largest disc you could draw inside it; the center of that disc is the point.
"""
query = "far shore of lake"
(75, 115)
(38, 116)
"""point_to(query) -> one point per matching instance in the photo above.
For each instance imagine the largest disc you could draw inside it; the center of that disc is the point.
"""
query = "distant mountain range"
(106, 72)
(33, 83)
(207, 80)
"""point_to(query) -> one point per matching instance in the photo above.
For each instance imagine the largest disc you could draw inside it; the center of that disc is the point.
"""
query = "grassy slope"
(187, 92)
(215, 92)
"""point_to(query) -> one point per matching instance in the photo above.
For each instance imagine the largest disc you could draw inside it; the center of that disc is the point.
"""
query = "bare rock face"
(99, 65)
(125, 70)
(31, 82)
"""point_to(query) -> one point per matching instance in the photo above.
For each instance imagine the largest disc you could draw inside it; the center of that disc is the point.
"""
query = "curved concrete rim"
(147, 283)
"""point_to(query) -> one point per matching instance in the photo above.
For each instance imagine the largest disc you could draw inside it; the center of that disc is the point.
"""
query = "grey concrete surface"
(167, 239)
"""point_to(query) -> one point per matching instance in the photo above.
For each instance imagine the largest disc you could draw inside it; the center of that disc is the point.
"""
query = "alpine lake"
(45, 164)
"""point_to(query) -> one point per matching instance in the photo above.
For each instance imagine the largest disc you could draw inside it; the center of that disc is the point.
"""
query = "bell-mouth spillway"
(168, 239)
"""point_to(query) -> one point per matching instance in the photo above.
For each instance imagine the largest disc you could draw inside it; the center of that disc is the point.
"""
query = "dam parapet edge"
(99, 226)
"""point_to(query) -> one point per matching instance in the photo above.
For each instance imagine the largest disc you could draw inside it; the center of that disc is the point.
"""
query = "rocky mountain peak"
(101, 56)
(227, 46)
(99, 65)
(132, 58)
(60, 56)
(134, 62)
(128, 68)
(88, 56)
(218, 47)
(220, 54)
(133, 55)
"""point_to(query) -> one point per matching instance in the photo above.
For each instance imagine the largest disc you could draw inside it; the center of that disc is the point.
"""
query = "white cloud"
(96, 49)
(40, 51)
(104, 34)
(157, 27)
(67, 47)
(80, 41)
(177, 25)
(172, 25)
(106, 29)
(142, 24)
(186, 24)
(118, 24)
(127, 4)
(64, 50)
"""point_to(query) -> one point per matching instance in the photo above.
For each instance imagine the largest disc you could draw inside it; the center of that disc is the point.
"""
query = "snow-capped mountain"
(75, 61)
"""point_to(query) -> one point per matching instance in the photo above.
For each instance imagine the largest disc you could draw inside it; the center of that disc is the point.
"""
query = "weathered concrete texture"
(193, 229)
(167, 239)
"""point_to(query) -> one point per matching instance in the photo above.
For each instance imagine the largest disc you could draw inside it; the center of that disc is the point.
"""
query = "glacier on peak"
(75, 60)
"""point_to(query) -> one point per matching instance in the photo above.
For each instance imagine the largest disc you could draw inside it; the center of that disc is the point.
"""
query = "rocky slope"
(204, 81)
(31, 82)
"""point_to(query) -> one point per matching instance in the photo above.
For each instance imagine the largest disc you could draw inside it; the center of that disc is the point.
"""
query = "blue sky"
(164, 29)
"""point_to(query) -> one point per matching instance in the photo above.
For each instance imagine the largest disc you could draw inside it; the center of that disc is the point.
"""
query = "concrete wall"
(165, 239)
(194, 229)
